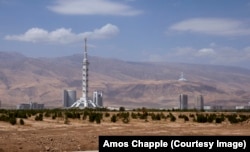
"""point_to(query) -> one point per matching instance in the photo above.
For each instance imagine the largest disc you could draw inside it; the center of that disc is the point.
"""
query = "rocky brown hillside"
(131, 84)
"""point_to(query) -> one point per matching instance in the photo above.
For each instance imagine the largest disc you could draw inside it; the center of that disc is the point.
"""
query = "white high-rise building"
(183, 102)
(84, 101)
(200, 102)
(69, 97)
(97, 98)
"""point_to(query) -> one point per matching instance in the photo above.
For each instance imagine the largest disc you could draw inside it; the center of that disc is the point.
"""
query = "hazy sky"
(192, 31)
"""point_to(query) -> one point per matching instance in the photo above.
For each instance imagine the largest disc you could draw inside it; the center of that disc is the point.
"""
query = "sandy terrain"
(80, 135)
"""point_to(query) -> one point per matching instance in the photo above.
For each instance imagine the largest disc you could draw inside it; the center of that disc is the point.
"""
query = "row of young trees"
(210, 118)
(97, 115)
(11, 118)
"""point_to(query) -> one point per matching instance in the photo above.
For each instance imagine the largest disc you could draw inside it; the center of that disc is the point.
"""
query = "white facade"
(216, 107)
(183, 98)
(200, 102)
(97, 98)
(242, 107)
(31, 105)
(69, 97)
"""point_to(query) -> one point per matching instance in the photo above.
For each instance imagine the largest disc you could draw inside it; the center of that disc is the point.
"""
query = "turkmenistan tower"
(84, 102)
(85, 68)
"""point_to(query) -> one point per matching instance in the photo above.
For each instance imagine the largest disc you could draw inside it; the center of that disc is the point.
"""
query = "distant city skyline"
(191, 31)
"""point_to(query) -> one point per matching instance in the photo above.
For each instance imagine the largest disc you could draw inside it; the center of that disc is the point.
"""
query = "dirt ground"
(81, 135)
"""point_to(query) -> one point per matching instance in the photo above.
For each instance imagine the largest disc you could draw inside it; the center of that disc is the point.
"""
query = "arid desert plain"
(81, 135)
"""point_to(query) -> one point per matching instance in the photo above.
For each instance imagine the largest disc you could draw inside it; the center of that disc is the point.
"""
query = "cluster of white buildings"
(183, 99)
(183, 102)
(199, 105)
(199, 102)
(70, 98)
(31, 105)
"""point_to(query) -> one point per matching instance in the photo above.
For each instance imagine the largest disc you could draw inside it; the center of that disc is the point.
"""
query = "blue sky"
(189, 31)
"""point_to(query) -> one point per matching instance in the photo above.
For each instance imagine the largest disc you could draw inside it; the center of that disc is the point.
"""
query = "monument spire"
(85, 72)
(84, 102)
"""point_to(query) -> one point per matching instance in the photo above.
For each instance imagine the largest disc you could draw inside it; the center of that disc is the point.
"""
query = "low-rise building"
(31, 105)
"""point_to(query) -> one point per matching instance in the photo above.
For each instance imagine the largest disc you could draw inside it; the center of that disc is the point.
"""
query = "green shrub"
(243, 118)
(12, 120)
(53, 117)
(39, 117)
(186, 118)
(107, 114)
(59, 114)
(144, 115)
(218, 120)
(66, 119)
(20, 114)
(84, 117)
(98, 120)
(133, 115)
(155, 116)
(69, 114)
(11, 115)
(122, 109)
(125, 120)
(232, 118)
(47, 114)
(222, 116)
(3, 117)
(191, 115)
(183, 117)
(85, 114)
(114, 118)
(93, 116)
(123, 115)
(21, 122)
(28, 114)
(173, 118)
(78, 115)
(201, 118)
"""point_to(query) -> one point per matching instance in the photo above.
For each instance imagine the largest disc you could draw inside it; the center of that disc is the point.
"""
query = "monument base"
(83, 103)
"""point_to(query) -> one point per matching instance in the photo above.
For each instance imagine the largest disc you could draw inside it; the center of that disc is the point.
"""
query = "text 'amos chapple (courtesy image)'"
(173, 143)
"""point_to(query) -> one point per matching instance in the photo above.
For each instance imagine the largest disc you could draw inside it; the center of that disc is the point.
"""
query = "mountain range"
(130, 84)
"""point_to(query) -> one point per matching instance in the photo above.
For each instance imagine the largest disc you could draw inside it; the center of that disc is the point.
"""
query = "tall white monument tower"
(182, 77)
(84, 102)
(85, 73)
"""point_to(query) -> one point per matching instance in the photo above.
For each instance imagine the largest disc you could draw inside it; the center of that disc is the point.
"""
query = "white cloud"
(106, 31)
(93, 7)
(205, 52)
(213, 26)
(64, 36)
